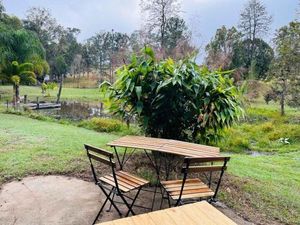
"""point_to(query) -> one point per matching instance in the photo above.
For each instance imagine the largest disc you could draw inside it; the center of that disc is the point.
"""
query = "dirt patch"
(241, 201)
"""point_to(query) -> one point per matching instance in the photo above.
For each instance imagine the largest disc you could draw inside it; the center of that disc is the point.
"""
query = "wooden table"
(200, 213)
(169, 146)
(166, 146)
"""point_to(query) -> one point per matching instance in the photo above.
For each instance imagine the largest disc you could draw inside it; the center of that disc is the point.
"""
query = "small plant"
(47, 87)
(102, 124)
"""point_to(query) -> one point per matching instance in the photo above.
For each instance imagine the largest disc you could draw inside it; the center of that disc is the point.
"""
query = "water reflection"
(76, 111)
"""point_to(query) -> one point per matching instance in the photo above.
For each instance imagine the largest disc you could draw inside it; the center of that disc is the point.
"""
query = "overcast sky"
(203, 16)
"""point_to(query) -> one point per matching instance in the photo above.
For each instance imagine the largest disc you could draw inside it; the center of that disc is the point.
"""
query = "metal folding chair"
(120, 182)
(193, 189)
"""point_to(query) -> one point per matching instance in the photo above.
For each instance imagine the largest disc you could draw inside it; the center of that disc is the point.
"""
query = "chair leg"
(154, 195)
(132, 203)
(169, 201)
(114, 193)
(126, 203)
(103, 205)
(111, 201)
(162, 199)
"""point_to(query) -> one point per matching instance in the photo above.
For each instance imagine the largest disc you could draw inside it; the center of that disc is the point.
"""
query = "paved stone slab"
(49, 200)
(59, 200)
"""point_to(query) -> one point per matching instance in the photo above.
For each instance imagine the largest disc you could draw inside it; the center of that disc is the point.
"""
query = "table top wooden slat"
(167, 146)
(200, 213)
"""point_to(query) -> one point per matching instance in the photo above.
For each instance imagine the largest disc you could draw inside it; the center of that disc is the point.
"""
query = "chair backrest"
(100, 155)
(199, 165)
(206, 164)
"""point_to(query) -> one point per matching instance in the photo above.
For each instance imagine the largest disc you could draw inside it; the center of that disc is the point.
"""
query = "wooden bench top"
(167, 146)
(200, 213)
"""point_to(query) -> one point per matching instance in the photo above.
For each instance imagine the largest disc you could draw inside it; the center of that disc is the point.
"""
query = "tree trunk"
(282, 104)
(59, 90)
(282, 98)
(16, 98)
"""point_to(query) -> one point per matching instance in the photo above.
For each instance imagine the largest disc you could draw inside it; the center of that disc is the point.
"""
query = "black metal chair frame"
(106, 157)
(189, 168)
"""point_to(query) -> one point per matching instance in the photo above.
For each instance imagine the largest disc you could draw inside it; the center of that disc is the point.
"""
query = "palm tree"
(20, 73)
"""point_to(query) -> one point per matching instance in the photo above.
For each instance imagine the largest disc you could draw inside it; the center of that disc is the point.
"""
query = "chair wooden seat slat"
(193, 188)
(196, 183)
(126, 182)
(135, 179)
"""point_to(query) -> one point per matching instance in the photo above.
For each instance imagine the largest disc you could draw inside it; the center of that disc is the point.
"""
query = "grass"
(263, 130)
(29, 146)
(268, 185)
(272, 187)
(71, 94)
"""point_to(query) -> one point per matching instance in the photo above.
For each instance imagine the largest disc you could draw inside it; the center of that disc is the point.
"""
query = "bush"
(264, 133)
(177, 100)
(235, 141)
(102, 124)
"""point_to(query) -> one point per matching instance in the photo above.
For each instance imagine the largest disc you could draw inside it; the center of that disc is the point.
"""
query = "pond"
(75, 111)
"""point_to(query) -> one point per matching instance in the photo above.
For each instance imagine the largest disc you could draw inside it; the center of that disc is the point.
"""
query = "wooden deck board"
(200, 213)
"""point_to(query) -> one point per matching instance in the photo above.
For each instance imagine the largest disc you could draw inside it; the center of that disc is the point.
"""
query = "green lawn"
(30, 146)
(73, 94)
(271, 183)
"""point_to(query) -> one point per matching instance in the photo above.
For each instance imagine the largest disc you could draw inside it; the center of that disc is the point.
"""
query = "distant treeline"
(53, 49)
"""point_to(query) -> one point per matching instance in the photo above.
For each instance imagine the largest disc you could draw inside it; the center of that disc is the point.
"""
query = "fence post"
(37, 103)
(25, 99)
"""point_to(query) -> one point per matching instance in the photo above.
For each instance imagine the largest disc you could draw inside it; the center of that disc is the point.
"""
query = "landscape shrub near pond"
(263, 130)
(102, 124)
(177, 100)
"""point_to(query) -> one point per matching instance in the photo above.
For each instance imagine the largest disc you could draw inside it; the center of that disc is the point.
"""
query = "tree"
(106, 50)
(60, 69)
(19, 74)
(286, 65)
(254, 23)
(2, 9)
(176, 100)
(57, 40)
(22, 54)
(139, 38)
(220, 51)
(176, 30)
(158, 13)
(262, 58)
(67, 47)
(86, 57)
(43, 24)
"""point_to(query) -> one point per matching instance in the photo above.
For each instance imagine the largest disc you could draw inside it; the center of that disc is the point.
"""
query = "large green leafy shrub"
(176, 100)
